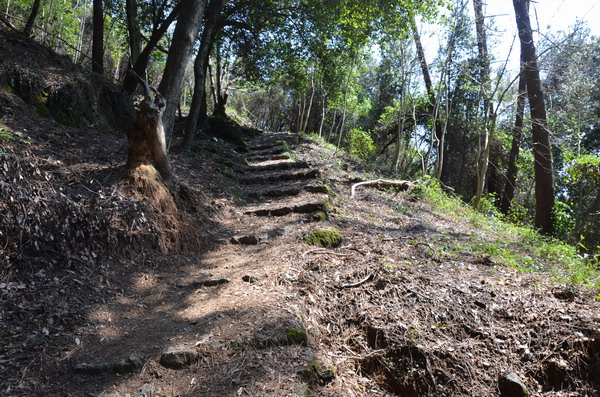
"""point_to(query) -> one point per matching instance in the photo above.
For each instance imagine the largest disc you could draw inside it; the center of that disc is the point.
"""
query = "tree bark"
(310, 103)
(146, 135)
(219, 94)
(133, 28)
(511, 173)
(31, 20)
(544, 178)
(98, 38)
(139, 67)
(483, 154)
(200, 68)
(322, 118)
(180, 52)
(433, 104)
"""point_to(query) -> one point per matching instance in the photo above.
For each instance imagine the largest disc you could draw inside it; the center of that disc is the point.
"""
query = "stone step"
(286, 190)
(273, 178)
(266, 152)
(265, 146)
(276, 167)
(270, 157)
(305, 208)
(254, 238)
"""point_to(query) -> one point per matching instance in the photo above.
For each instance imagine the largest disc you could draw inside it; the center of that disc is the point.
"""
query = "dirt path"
(228, 313)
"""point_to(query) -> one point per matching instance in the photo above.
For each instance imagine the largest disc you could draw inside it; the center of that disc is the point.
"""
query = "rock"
(565, 293)
(283, 156)
(511, 386)
(245, 240)
(249, 279)
(314, 373)
(187, 284)
(147, 390)
(326, 238)
(178, 359)
(92, 368)
(319, 216)
(308, 208)
(127, 366)
(215, 282)
(281, 211)
(203, 283)
(124, 366)
(316, 189)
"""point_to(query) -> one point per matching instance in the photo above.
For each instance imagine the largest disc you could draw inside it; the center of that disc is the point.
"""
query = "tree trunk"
(511, 173)
(300, 118)
(98, 38)
(180, 52)
(220, 94)
(433, 104)
(322, 120)
(544, 179)
(141, 64)
(200, 68)
(310, 103)
(331, 127)
(31, 20)
(341, 131)
(146, 136)
(485, 139)
(133, 28)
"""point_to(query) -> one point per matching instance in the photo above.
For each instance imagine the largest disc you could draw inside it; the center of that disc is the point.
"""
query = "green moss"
(43, 110)
(9, 88)
(330, 237)
(224, 161)
(328, 206)
(314, 373)
(319, 216)
(296, 336)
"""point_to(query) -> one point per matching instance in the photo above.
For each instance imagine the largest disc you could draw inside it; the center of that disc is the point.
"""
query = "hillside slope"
(103, 292)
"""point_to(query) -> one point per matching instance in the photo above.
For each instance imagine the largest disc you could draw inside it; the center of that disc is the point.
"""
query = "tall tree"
(180, 52)
(544, 179)
(485, 138)
(98, 37)
(433, 100)
(32, 16)
(517, 131)
(133, 28)
(200, 68)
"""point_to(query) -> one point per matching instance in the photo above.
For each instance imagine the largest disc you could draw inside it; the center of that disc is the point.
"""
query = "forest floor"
(211, 290)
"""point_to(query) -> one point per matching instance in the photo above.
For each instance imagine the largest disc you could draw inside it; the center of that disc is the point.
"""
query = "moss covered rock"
(296, 336)
(325, 237)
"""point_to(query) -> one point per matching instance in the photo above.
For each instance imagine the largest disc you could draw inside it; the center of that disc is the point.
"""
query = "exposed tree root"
(384, 184)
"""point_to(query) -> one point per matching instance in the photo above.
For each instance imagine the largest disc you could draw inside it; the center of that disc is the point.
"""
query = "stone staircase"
(277, 185)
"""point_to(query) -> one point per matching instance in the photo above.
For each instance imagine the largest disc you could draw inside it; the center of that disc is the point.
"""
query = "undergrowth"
(516, 246)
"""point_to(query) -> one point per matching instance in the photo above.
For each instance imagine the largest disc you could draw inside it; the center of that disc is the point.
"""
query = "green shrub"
(361, 144)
